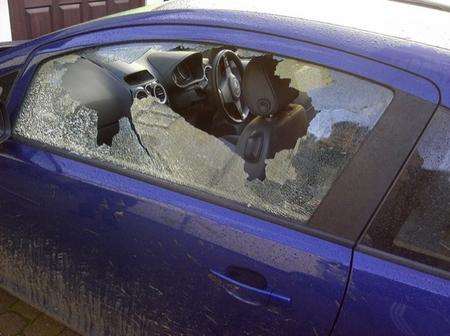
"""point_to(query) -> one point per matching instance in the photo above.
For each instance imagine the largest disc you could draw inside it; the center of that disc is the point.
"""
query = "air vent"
(160, 93)
(138, 77)
(141, 94)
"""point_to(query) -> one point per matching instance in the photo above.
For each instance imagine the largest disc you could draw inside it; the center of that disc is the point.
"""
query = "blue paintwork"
(98, 239)
(385, 298)
(147, 260)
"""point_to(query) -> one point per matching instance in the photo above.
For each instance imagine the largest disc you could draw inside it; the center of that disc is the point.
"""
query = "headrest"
(264, 92)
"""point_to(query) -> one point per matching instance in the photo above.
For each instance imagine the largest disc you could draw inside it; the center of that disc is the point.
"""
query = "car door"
(405, 252)
(111, 249)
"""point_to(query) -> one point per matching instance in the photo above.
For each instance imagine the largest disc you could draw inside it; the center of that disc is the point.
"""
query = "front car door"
(191, 246)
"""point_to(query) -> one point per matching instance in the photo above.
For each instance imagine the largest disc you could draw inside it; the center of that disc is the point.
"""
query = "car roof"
(419, 58)
(406, 21)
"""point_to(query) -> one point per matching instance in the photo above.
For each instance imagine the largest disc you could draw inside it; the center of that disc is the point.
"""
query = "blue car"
(218, 169)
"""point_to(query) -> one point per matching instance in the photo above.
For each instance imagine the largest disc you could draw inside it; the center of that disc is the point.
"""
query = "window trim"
(396, 255)
(5, 127)
(323, 227)
(379, 160)
(400, 260)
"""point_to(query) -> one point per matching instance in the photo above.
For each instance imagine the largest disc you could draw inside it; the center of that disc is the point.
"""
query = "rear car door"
(405, 252)
(111, 248)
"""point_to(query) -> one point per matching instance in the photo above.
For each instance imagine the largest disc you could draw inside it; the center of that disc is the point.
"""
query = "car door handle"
(248, 287)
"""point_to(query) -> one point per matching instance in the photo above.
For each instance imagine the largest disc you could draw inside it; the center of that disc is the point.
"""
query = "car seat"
(278, 123)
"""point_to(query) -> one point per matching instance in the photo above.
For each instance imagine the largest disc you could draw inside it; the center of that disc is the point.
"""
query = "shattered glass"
(174, 150)
(51, 116)
(129, 53)
(123, 52)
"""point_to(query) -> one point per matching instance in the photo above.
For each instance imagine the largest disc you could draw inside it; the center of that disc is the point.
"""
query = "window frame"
(11, 77)
(387, 250)
(347, 225)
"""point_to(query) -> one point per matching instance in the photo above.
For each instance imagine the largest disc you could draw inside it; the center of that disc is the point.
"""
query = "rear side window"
(414, 221)
(263, 131)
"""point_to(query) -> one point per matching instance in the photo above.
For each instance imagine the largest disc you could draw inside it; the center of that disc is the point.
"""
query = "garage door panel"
(96, 9)
(121, 5)
(39, 21)
(32, 18)
(37, 3)
(70, 14)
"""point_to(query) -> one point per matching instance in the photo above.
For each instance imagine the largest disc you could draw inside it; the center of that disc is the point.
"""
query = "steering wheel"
(227, 73)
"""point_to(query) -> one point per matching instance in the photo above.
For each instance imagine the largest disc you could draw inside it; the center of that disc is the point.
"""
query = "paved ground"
(20, 319)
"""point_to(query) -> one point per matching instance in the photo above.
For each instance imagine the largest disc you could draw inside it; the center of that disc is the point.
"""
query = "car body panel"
(400, 280)
(389, 18)
(386, 298)
(112, 243)
(110, 255)
(427, 61)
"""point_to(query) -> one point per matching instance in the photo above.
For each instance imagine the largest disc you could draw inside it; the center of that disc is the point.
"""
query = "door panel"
(39, 21)
(122, 5)
(114, 256)
(69, 14)
(385, 298)
(32, 18)
(96, 9)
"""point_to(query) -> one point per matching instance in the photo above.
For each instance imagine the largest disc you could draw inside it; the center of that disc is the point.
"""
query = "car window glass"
(414, 221)
(154, 109)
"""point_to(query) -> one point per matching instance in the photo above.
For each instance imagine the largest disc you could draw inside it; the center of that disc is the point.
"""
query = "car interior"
(236, 98)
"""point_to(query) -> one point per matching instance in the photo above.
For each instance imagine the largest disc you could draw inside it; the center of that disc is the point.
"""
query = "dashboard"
(164, 74)
(159, 74)
(178, 78)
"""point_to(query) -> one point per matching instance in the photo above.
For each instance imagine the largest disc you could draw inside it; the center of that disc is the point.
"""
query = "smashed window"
(267, 132)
